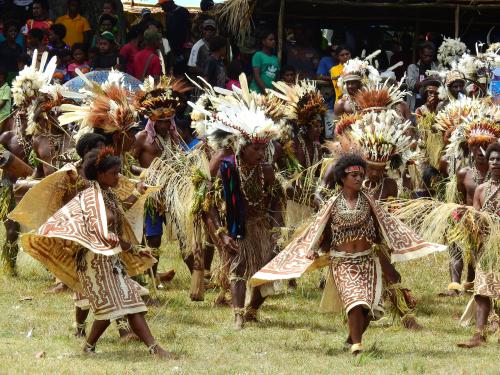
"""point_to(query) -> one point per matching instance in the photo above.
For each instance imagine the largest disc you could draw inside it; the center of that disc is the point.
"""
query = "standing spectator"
(178, 25)
(77, 27)
(10, 51)
(343, 55)
(197, 28)
(289, 75)
(109, 8)
(265, 64)
(165, 49)
(22, 9)
(216, 70)
(105, 22)
(417, 74)
(326, 63)
(56, 44)
(34, 41)
(108, 57)
(129, 50)
(199, 53)
(234, 69)
(40, 19)
(302, 55)
(5, 103)
(79, 60)
(4, 26)
(146, 61)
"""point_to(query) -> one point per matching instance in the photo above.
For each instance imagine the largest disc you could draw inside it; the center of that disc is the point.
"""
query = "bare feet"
(165, 277)
(238, 322)
(410, 322)
(250, 315)
(80, 332)
(58, 288)
(158, 352)
(449, 293)
(476, 341)
(129, 336)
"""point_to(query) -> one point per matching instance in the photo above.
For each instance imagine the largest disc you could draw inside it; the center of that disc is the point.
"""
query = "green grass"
(291, 338)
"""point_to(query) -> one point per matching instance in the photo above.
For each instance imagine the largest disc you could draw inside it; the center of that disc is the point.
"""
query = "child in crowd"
(56, 44)
(34, 41)
(216, 71)
(79, 60)
(5, 95)
(108, 57)
(10, 50)
(265, 63)
(289, 75)
(106, 22)
(234, 69)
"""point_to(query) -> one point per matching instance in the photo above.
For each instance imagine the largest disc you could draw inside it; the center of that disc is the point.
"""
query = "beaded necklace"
(113, 204)
(305, 151)
(251, 184)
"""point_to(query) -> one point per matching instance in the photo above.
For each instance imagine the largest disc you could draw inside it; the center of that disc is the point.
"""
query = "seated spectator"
(108, 57)
(234, 69)
(105, 23)
(146, 61)
(34, 41)
(79, 60)
(216, 70)
(40, 19)
(289, 75)
(56, 44)
(77, 27)
(129, 50)
(5, 95)
(326, 63)
(10, 51)
(265, 63)
(199, 53)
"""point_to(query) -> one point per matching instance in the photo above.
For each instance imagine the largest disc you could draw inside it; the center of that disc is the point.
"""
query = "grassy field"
(291, 338)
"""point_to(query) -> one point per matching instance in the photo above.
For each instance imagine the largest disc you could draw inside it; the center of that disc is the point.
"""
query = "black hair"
(217, 43)
(59, 29)
(112, 2)
(134, 32)
(428, 174)
(263, 34)
(24, 58)
(38, 34)
(340, 48)
(107, 17)
(288, 68)
(3, 71)
(78, 46)
(88, 142)
(345, 161)
(206, 5)
(43, 3)
(234, 69)
(427, 45)
(11, 23)
(494, 147)
(96, 162)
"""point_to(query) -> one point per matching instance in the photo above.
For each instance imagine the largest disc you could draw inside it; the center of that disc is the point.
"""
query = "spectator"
(326, 63)
(178, 23)
(216, 70)
(265, 63)
(416, 74)
(198, 59)
(144, 18)
(105, 22)
(4, 26)
(109, 8)
(40, 19)
(77, 27)
(10, 51)
(56, 44)
(34, 41)
(289, 75)
(108, 57)
(146, 61)
(165, 50)
(79, 60)
(5, 101)
(129, 50)
(234, 69)
(343, 55)
(205, 14)
(301, 55)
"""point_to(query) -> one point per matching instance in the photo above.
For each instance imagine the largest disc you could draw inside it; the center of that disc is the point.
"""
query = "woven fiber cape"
(292, 262)
(80, 223)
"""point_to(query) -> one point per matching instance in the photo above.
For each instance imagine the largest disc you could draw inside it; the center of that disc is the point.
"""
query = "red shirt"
(140, 60)
(128, 52)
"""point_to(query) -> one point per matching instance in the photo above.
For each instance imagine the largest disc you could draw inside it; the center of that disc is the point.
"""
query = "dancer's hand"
(141, 187)
(229, 244)
(313, 255)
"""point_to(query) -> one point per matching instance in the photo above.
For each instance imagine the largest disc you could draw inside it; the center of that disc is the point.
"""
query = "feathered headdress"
(452, 115)
(233, 118)
(303, 102)
(106, 107)
(360, 70)
(345, 122)
(382, 135)
(379, 96)
(160, 101)
(450, 51)
(31, 79)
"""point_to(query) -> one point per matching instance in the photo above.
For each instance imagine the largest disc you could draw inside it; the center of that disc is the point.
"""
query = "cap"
(145, 11)
(209, 23)
(453, 76)
(108, 36)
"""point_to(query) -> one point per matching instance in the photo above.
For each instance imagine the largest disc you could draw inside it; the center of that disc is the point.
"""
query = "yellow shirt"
(335, 72)
(75, 28)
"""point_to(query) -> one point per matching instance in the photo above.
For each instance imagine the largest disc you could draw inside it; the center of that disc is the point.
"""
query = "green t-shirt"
(269, 69)
(5, 95)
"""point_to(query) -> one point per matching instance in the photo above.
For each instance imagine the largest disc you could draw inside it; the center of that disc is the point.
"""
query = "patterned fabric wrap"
(235, 208)
(487, 284)
(292, 262)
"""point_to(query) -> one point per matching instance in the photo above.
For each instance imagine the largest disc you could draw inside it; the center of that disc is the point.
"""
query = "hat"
(108, 36)
(145, 11)
(452, 76)
(151, 35)
(209, 23)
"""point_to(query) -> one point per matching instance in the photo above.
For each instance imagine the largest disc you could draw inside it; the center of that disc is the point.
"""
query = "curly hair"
(345, 161)
(494, 147)
(99, 161)
(88, 142)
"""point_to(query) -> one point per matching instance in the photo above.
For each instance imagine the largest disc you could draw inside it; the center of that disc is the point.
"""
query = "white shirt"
(22, 3)
(193, 57)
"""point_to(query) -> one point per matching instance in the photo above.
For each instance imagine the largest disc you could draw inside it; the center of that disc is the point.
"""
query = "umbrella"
(100, 76)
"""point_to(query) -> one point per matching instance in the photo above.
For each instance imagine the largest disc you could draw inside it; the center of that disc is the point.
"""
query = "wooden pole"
(457, 20)
(281, 30)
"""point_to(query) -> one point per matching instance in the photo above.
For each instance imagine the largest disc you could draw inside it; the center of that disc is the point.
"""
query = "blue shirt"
(19, 39)
(324, 66)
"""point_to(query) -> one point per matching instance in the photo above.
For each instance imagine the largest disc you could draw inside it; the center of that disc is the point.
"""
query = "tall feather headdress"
(360, 70)
(379, 96)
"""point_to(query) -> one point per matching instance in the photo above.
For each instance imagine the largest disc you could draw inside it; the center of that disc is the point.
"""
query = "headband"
(354, 168)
